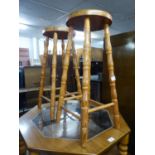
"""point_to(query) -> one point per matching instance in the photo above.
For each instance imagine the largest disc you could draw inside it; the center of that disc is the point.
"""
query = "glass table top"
(69, 126)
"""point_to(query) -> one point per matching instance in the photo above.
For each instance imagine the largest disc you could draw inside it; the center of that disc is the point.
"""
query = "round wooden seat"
(97, 19)
(61, 31)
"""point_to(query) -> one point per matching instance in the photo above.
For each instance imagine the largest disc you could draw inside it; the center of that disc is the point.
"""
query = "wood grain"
(95, 103)
(73, 114)
(63, 50)
(76, 68)
(33, 153)
(53, 76)
(97, 19)
(123, 146)
(73, 97)
(60, 30)
(112, 77)
(36, 142)
(103, 106)
(85, 83)
(64, 74)
(43, 72)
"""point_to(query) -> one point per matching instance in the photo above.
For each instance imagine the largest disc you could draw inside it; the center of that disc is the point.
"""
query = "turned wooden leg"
(63, 56)
(63, 51)
(64, 75)
(43, 72)
(53, 76)
(112, 78)
(85, 83)
(33, 153)
(123, 146)
(76, 68)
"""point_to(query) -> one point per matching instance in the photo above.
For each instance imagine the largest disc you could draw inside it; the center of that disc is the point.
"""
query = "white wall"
(33, 45)
(36, 47)
(25, 42)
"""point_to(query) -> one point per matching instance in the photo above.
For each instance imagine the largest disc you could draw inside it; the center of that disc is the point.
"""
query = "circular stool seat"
(61, 31)
(97, 19)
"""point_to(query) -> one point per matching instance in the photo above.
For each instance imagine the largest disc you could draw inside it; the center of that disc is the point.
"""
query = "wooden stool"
(57, 33)
(93, 20)
(37, 141)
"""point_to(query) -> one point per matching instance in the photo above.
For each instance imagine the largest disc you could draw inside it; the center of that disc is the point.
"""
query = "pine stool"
(37, 142)
(93, 20)
(57, 33)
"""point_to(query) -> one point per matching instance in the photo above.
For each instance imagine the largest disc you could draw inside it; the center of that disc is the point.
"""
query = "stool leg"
(123, 146)
(76, 68)
(63, 51)
(85, 82)
(64, 75)
(43, 72)
(63, 56)
(112, 79)
(53, 76)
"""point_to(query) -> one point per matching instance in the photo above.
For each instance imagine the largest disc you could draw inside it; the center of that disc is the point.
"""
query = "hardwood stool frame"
(90, 20)
(56, 33)
(93, 20)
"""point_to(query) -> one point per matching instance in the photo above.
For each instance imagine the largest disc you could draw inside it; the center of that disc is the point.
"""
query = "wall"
(24, 59)
(33, 45)
(36, 47)
(25, 42)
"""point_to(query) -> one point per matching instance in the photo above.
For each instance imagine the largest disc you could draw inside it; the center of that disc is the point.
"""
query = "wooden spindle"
(67, 94)
(46, 98)
(43, 72)
(63, 51)
(71, 93)
(112, 78)
(85, 82)
(73, 97)
(64, 74)
(76, 68)
(63, 56)
(95, 103)
(104, 106)
(72, 113)
(123, 146)
(53, 76)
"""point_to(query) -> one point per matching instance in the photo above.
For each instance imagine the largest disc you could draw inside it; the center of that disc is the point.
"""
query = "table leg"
(123, 146)
(33, 153)
(22, 146)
